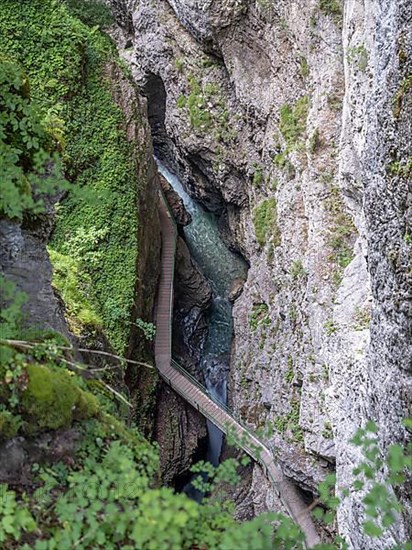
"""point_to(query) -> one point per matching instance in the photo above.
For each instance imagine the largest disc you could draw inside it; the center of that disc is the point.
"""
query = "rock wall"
(376, 131)
(291, 120)
(25, 262)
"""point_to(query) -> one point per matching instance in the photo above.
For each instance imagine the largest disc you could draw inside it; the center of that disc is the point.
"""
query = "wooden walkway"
(194, 393)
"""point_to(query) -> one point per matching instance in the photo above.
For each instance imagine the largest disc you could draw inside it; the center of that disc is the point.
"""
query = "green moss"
(74, 285)
(304, 66)
(341, 232)
(334, 101)
(290, 372)
(67, 63)
(258, 177)
(404, 87)
(265, 223)
(259, 316)
(292, 122)
(401, 168)
(292, 126)
(362, 318)
(207, 109)
(327, 431)
(53, 400)
(330, 327)
(281, 424)
(282, 162)
(314, 142)
(87, 405)
(297, 270)
(179, 64)
(358, 56)
(49, 398)
(290, 422)
(9, 424)
(331, 7)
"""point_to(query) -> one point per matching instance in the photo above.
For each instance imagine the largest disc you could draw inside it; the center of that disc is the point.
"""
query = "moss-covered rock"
(74, 286)
(53, 400)
(265, 222)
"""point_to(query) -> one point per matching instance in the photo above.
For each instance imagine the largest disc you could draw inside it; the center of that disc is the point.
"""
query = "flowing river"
(221, 267)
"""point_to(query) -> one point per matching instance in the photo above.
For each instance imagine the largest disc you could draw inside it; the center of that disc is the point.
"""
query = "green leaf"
(371, 529)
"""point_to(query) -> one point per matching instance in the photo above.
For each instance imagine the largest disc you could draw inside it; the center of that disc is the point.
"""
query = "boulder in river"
(180, 214)
(236, 289)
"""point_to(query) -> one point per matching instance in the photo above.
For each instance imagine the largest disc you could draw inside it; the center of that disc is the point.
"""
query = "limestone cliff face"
(374, 151)
(291, 120)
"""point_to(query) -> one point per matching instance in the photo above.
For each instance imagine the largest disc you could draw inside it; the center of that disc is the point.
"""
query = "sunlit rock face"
(292, 122)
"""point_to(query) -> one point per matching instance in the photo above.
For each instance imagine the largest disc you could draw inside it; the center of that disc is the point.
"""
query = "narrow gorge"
(279, 135)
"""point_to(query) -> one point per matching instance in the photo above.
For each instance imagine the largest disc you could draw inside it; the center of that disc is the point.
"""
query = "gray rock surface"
(19, 454)
(236, 289)
(25, 262)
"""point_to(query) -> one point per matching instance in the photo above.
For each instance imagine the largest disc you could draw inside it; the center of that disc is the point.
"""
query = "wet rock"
(217, 367)
(180, 214)
(181, 433)
(191, 288)
(19, 454)
(236, 289)
(192, 299)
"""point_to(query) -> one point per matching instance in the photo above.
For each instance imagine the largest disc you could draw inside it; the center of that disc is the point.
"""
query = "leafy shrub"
(148, 329)
(258, 176)
(207, 109)
(36, 397)
(290, 422)
(259, 316)
(91, 12)
(15, 519)
(25, 147)
(74, 286)
(292, 122)
(292, 126)
(11, 302)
